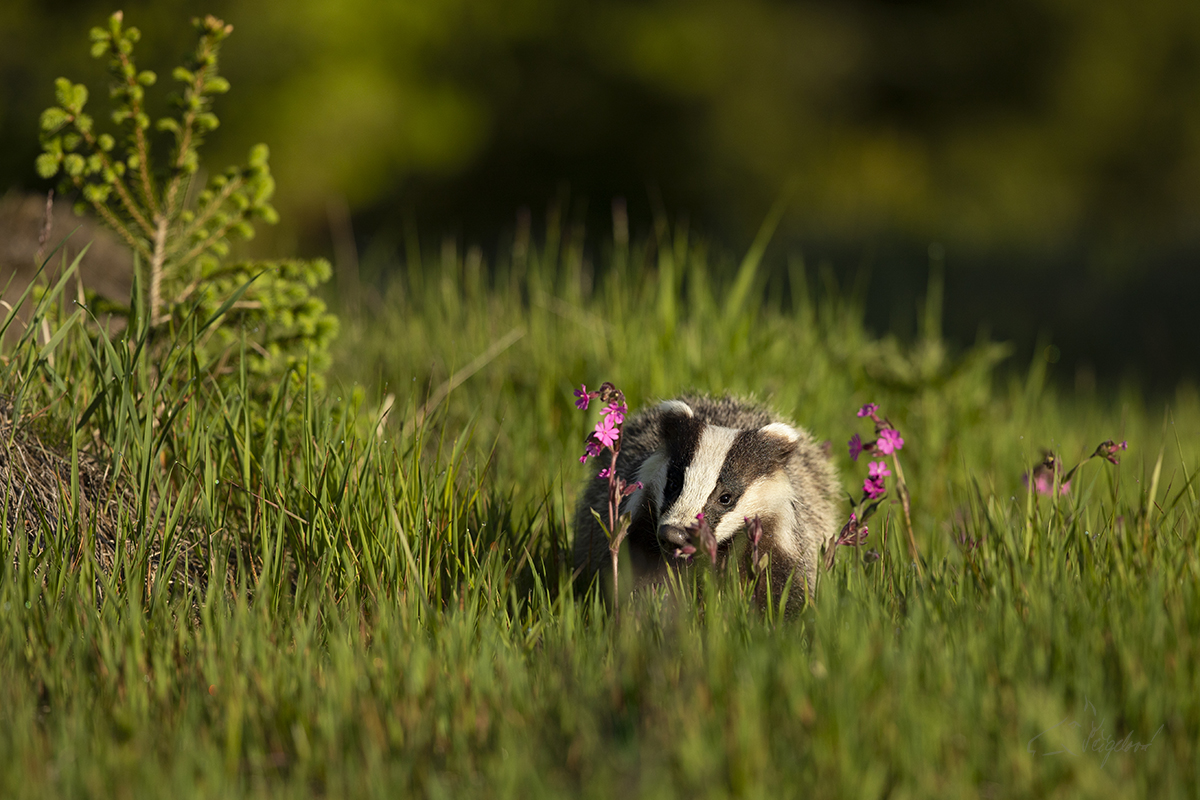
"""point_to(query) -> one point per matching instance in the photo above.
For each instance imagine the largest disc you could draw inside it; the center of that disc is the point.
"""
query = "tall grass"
(384, 604)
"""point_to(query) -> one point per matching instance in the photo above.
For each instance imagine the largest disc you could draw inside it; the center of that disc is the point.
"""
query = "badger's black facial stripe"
(674, 484)
(681, 436)
(754, 454)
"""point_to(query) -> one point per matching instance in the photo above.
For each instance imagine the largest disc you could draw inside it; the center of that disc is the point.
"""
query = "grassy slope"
(407, 628)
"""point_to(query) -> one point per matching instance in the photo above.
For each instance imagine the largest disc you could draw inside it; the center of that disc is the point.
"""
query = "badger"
(730, 460)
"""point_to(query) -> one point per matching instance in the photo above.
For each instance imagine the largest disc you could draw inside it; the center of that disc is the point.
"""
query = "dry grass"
(55, 500)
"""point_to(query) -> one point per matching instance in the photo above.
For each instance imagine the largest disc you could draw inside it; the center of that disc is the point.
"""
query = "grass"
(383, 607)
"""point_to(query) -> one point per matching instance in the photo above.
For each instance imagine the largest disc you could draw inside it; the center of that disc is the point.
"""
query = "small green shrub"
(185, 242)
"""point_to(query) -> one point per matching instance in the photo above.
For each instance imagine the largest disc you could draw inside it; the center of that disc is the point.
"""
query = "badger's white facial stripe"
(769, 499)
(701, 476)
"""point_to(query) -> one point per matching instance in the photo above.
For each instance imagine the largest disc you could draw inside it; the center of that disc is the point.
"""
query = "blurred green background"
(1050, 149)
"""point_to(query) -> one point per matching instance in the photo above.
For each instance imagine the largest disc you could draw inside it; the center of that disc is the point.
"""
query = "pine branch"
(133, 91)
(113, 222)
(118, 183)
(268, 306)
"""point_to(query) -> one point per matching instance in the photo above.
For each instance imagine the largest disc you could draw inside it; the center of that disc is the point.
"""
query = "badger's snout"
(674, 535)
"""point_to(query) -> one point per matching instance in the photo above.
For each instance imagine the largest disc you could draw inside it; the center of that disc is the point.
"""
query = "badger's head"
(727, 474)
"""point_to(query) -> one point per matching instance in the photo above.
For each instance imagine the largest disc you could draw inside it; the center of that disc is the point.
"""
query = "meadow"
(361, 587)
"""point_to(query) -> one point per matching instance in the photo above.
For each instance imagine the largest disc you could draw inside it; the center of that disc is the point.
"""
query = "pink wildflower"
(754, 529)
(853, 534)
(604, 473)
(873, 488)
(1044, 475)
(889, 441)
(1108, 450)
(703, 535)
(590, 450)
(607, 432)
(583, 397)
(868, 410)
(856, 447)
(616, 412)
(1043, 483)
(874, 485)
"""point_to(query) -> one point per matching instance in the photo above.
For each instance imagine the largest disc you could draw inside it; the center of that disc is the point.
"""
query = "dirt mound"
(107, 269)
(36, 506)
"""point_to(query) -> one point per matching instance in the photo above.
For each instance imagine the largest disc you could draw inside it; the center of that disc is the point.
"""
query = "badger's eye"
(725, 499)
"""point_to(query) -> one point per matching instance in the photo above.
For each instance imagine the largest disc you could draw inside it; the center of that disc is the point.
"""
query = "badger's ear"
(671, 408)
(782, 431)
(674, 416)
(780, 438)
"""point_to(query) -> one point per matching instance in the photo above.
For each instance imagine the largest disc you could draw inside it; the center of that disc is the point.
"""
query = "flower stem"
(902, 490)
(614, 541)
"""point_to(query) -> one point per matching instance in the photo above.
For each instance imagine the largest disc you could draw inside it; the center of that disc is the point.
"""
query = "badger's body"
(730, 460)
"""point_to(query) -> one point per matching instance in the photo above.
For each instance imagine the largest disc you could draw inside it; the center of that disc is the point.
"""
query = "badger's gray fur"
(729, 459)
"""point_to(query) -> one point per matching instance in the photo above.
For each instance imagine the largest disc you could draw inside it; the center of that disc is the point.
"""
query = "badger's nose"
(673, 534)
